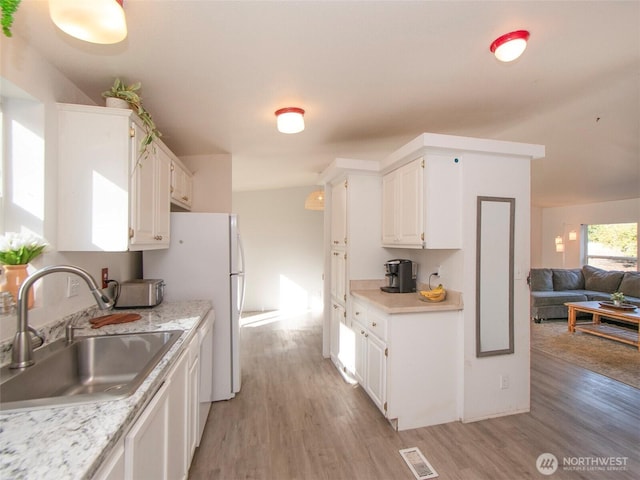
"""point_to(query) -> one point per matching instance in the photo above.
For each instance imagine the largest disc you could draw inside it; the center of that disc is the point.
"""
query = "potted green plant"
(129, 98)
(617, 298)
(16, 251)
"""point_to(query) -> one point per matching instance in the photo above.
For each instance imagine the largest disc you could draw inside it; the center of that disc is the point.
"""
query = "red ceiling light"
(290, 120)
(510, 46)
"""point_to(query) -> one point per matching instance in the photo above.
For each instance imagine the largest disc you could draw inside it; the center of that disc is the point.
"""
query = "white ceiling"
(372, 76)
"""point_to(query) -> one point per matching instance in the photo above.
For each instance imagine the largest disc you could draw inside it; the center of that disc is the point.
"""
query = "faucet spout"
(22, 351)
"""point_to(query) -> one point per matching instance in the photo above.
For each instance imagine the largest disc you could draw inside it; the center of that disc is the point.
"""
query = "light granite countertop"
(398, 303)
(71, 442)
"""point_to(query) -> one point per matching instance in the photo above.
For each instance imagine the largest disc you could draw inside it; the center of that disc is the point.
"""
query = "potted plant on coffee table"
(617, 298)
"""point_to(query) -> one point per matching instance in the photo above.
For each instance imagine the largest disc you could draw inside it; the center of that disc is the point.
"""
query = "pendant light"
(95, 21)
(315, 200)
(510, 46)
(290, 120)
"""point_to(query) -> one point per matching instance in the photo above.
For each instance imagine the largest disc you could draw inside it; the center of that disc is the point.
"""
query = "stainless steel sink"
(89, 369)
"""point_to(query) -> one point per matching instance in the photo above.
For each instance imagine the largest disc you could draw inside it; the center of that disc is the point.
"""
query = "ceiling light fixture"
(97, 21)
(290, 120)
(510, 46)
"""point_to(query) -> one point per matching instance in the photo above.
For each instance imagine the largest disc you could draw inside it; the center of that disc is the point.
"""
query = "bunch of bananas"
(437, 294)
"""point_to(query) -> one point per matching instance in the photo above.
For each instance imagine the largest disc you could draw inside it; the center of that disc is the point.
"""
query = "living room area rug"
(601, 355)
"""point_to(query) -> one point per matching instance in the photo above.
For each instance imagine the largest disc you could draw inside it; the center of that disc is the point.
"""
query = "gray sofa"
(552, 287)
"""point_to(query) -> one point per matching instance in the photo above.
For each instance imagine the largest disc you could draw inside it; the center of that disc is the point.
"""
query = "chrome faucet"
(22, 351)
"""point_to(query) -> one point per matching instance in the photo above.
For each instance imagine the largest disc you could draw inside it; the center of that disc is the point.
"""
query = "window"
(612, 246)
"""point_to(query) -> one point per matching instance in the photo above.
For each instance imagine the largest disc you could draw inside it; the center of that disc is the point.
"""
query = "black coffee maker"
(400, 276)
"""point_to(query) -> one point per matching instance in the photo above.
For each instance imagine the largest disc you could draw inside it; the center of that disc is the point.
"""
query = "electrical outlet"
(504, 382)
(439, 270)
(105, 277)
(73, 286)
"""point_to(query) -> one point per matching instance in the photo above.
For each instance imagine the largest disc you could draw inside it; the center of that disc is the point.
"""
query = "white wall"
(283, 249)
(211, 182)
(559, 221)
(482, 396)
(40, 86)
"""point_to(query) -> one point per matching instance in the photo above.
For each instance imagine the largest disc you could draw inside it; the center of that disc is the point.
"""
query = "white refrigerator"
(205, 261)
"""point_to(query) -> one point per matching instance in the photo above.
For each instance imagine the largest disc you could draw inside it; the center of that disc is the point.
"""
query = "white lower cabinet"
(178, 454)
(162, 441)
(193, 397)
(408, 364)
(376, 372)
(156, 446)
(145, 445)
(371, 364)
(337, 319)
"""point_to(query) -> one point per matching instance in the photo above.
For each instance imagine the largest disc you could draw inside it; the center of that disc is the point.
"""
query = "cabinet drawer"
(359, 312)
(376, 322)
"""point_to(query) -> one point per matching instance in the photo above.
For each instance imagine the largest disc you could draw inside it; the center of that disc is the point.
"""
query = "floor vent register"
(419, 465)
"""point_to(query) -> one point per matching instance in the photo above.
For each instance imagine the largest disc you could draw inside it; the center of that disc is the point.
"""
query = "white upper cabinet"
(421, 204)
(149, 201)
(181, 185)
(402, 219)
(339, 214)
(110, 196)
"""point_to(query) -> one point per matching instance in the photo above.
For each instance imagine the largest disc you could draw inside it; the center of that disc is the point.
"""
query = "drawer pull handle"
(374, 324)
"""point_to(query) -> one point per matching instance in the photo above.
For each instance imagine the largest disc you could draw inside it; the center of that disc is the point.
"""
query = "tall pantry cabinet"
(111, 196)
(353, 188)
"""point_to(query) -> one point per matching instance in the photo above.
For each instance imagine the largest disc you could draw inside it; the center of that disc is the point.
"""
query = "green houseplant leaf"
(8, 8)
(129, 93)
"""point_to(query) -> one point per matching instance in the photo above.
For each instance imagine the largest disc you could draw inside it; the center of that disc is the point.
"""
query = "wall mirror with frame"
(494, 276)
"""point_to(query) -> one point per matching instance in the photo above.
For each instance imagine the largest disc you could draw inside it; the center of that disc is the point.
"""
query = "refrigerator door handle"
(242, 289)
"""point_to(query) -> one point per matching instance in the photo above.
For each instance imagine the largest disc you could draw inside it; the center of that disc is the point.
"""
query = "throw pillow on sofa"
(541, 280)
(568, 279)
(601, 280)
(630, 284)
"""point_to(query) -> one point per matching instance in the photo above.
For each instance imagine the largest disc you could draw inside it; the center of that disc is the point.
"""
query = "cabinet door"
(151, 200)
(339, 214)
(146, 442)
(181, 185)
(339, 275)
(410, 200)
(389, 208)
(178, 458)
(193, 384)
(337, 316)
(376, 371)
(142, 194)
(360, 359)
(162, 195)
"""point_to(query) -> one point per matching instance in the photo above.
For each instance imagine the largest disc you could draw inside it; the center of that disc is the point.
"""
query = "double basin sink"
(106, 367)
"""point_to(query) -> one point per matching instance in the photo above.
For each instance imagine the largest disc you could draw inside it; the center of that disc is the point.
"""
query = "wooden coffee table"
(612, 332)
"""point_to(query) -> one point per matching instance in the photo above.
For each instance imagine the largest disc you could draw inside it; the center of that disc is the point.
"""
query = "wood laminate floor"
(296, 418)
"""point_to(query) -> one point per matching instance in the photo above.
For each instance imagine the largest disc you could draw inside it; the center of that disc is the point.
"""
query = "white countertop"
(394, 303)
(71, 442)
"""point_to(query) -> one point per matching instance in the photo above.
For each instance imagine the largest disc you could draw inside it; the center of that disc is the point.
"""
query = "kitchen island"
(72, 442)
